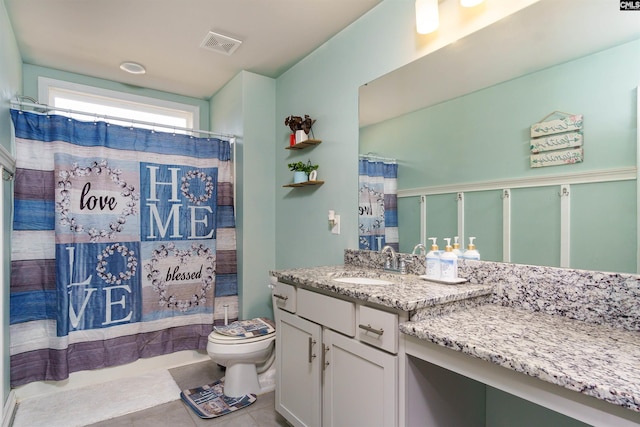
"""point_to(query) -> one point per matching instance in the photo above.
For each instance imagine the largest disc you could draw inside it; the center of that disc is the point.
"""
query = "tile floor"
(176, 414)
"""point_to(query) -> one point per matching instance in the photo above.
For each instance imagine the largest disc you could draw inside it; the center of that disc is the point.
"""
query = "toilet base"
(241, 379)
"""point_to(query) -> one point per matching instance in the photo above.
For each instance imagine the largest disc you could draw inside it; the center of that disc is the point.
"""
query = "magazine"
(247, 328)
(209, 400)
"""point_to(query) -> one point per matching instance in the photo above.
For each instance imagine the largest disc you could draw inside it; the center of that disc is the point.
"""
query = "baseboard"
(9, 409)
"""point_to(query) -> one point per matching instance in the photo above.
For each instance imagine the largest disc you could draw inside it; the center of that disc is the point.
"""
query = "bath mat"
(209, 400)
(97, 402)
(247, 328)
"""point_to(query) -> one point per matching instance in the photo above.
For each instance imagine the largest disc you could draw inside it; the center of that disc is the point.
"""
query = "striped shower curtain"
(378, 203)
(123, 245)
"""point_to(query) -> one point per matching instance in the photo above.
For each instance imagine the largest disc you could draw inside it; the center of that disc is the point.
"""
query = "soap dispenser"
(448, 263)
(433, 260)
(471, 252)
(456, 247)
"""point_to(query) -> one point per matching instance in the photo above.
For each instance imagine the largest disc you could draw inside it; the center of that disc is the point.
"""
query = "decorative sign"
(557, 140)
(557, 157)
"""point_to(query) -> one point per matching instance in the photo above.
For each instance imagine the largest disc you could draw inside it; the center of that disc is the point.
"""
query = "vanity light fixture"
(427, 19)
(132, 67)
(470, 3)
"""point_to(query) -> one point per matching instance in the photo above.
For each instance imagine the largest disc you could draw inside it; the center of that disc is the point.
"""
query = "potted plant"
(300, 127)
(301, 171)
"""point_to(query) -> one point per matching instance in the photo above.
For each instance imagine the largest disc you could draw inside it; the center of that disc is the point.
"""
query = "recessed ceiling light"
(133, 68)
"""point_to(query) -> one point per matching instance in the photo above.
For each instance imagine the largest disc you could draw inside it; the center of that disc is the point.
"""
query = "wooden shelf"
(304, 184)
(304, 144)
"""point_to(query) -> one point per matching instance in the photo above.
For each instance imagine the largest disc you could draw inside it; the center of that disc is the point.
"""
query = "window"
(103, 102)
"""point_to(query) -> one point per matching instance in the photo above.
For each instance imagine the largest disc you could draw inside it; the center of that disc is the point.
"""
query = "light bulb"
(427, 19)
(470, 3)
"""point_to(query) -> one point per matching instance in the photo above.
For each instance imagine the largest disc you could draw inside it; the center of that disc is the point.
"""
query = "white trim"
(565, 225)
(605, 175)
(9, 409)
(46, 83)
(506, 225)
(460, 201)
(423, 222)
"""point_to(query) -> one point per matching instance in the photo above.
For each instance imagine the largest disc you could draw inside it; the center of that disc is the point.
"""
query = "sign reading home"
(557, 140)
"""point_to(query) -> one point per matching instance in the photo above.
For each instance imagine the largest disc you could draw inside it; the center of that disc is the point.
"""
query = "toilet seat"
(215, 337)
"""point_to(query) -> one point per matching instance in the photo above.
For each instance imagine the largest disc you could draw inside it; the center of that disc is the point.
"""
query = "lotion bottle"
(433, 260)
(471, 252)
(456, 247)
(448, 263)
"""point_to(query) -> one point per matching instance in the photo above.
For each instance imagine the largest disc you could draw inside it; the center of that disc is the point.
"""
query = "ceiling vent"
(220, 43)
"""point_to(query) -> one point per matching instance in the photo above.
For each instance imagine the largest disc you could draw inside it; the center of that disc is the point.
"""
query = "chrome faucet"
(391, 263)
(420, 246)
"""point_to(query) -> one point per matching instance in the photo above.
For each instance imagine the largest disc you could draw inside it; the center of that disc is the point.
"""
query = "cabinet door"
(360, 384)
(298, 375)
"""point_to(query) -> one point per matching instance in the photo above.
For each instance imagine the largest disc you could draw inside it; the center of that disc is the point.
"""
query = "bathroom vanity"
(564, 339)
(327, 376)
(340, 360)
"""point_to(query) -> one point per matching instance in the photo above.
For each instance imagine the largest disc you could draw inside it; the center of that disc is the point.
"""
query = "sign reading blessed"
(557, 140)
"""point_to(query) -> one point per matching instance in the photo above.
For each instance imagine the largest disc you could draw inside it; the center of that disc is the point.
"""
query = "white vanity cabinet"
(337, 361)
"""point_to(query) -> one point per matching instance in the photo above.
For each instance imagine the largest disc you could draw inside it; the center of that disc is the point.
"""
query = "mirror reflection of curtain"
(378, 202)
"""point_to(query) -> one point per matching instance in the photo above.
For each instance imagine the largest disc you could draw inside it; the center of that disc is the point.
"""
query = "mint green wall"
(484, 136)
(32, 72)
(246, 107)
(10, 75)
(325, 86)
(10, 86)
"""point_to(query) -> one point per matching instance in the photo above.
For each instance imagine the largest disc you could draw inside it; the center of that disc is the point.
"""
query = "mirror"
(458, 122)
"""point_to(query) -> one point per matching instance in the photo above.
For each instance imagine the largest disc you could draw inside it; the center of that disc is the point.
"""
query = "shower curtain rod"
(48, 108)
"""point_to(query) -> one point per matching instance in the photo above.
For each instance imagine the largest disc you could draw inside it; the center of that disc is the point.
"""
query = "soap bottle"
(471, 252)
(448, 263)
(456, 247)
(433, 260)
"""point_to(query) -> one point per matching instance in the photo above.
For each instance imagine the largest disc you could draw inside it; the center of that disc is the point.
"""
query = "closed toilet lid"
(243, 331)
(225, 339)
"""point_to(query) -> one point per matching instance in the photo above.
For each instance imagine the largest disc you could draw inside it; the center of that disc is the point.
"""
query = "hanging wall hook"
(505, 194)
(565, 192)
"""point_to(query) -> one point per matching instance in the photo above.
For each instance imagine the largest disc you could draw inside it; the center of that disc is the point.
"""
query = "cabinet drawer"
(333, 313)
(378, 328)
(284, 297)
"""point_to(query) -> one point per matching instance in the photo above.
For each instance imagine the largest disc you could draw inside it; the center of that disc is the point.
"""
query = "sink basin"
(363, 281)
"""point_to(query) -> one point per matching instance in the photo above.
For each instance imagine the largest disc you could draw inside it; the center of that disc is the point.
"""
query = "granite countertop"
(590, 357)
(408, 292)
(596, 360)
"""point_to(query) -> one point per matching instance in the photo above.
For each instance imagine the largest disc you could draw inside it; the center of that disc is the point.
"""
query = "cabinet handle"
(281, 297)
(311, 343)
(325, 362)
(368, 328)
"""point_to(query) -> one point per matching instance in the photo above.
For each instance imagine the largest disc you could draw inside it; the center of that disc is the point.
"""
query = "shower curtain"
(378, 203)
(123, 245)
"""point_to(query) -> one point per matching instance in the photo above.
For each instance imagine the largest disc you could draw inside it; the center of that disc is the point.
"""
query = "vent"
(220, 43)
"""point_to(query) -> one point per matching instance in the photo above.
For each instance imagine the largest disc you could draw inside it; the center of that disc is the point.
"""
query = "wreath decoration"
(107, 276)
(64, 205)
(160, 286)
(208, 186)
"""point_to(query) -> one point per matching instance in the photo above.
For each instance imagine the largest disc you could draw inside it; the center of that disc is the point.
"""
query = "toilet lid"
(216, 337)
(247, 328)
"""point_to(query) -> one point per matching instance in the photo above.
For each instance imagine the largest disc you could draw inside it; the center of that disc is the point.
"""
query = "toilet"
(249, 361)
